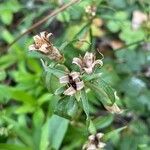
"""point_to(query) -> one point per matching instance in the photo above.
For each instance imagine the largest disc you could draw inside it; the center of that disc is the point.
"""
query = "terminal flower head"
(94, 142)
(44, 45)
(87, 63)
(73, 82)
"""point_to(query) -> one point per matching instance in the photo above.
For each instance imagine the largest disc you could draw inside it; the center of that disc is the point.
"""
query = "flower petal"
(88, 59)
(78, 62)
(92, 147)
(88, 70)
(74, 75)
(44, 48)
(32, 47)
(91, 137)
(49, 35)
(70, 91)
(64, 79)
(36, 38)
(97, 62)
(43, 34)
(99, 135)
(101, 145)
(79, 85)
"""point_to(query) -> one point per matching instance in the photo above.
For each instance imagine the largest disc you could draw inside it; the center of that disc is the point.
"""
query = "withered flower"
(87, 63)
(114, 109)
(94, 142)
(44, 45)
(73, 82)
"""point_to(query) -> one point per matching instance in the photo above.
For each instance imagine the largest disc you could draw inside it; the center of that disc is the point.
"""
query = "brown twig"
(52, 14)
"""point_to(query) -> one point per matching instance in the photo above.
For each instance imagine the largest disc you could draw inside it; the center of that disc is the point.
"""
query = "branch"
(52, 14)
(131, 44)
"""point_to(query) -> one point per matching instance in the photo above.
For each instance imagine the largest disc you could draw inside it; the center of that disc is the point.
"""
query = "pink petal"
(78, 62)
(91, 137)
(44, 48)
(101, 145)
(70, 91)
(32, 47)
(74, 75)
(49, 35)
(92, 147)
(64, 79)
(99, 135)
(88, 70)
(36, 38)
(79, 85)
(97, 62)
(88, 59)
(43, 34)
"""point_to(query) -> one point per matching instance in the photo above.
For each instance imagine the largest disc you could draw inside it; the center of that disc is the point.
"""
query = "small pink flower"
(43, 45)
(73, 81)
(87, 63)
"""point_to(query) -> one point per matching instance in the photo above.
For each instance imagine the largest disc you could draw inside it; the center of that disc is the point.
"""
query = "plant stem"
(52, 14)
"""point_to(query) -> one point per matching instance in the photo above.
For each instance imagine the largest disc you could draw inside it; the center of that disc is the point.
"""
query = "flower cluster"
(72, 80)
(43, 45)
(94, 142)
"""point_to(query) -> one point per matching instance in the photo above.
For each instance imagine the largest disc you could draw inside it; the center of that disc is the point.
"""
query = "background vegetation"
(27, 104)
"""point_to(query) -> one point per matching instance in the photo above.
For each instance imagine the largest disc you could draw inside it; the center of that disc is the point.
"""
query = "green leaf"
(113, 133)
(12, 147)
(67, 107)
(5, 61)
(107, 89)
(22, 96)
(58, 127)
(103, 121)
(92, 128)
(102, 91)
(58, 73)
(38, 117)
(64, 17)
(7, 17)
(44, 136)
(59, 90)
(87, 77)
(24, 109)
(21, 132)
(2, 75)
(85, 103)
(44, 98)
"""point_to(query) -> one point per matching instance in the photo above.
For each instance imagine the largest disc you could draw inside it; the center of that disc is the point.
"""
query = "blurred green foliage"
(32, 117)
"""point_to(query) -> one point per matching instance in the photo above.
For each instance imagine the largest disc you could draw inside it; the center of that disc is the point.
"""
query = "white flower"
(94, 142)
(73, 81)
(43, 44)
(87, 63)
